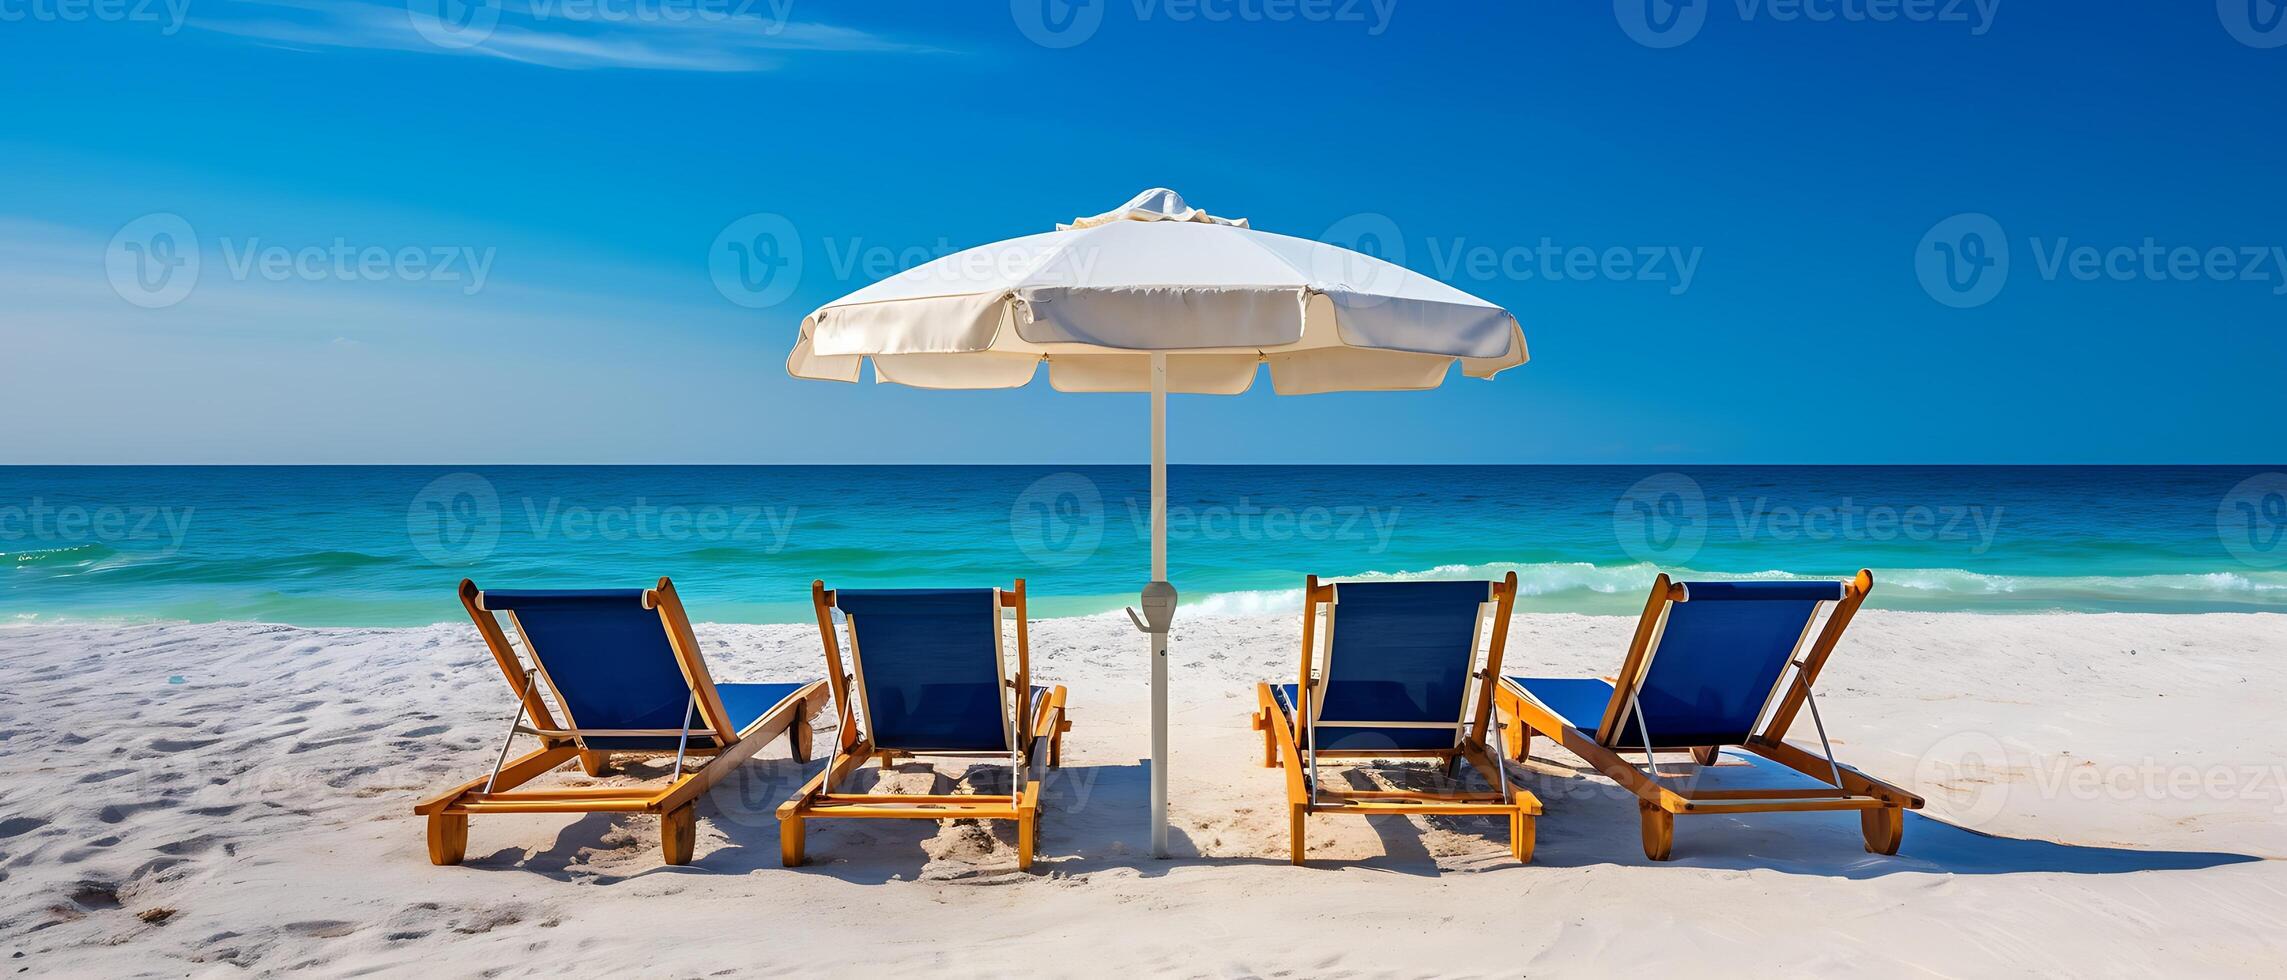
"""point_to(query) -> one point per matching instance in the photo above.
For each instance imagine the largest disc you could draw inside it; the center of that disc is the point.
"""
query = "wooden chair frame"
(1880, 805)
(448, 812)
(1042, 742)
(1284, 742)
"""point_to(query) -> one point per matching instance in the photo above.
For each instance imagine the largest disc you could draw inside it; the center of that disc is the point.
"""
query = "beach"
(2105, 797)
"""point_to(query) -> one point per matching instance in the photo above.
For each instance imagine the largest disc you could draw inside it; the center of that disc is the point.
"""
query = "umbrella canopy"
(1094, 298)
(1158, 296)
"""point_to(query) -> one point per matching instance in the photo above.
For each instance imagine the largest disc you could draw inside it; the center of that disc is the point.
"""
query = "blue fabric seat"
(1719, 659)
(929, 668)
(1364, 739)
(1576, 701)
(1399, 652)
(609, 660)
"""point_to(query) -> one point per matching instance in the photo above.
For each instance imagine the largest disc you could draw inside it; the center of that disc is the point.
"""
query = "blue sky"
(538, 206)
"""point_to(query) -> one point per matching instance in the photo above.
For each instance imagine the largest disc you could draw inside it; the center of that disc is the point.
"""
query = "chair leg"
(1056, 743)
(1659, 831)
(1262, 723)
(1520, 740)
(1295, 815)
(1524, 829)
(799, 735)
(1885, 829)
(1706, 754)
(790, 840)
(595, 763)
(448, 838)
(678, 832)
(1027, 831)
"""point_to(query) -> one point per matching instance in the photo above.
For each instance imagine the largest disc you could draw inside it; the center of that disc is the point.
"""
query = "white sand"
(2122, 776)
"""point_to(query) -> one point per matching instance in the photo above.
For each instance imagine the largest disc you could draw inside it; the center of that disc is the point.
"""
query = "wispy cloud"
(656, 35)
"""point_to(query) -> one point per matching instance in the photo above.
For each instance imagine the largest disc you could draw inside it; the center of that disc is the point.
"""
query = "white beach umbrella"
(1159, 297)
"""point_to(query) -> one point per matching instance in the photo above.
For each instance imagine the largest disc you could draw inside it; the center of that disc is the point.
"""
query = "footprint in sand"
(189, 845)
(19, 826)
(324, 743)
(96, 896)
(322, 928)
(117, 812)
(181, 744)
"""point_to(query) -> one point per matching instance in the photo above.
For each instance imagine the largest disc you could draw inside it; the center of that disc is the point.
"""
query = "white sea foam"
(1608, 587)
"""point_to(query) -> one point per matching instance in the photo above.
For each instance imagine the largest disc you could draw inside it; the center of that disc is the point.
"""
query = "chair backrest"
(1716, 660)
(929, 668)
(609, 654)
(1396, 667)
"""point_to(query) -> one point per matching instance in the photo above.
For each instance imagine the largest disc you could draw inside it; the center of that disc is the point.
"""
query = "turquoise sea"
(384, 546)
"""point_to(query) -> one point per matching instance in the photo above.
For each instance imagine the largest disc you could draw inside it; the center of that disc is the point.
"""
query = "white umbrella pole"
(1158, 582)
(1158, 606)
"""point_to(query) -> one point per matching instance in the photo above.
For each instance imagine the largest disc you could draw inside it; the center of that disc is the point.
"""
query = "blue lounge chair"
(1397, 676)
(1713, 664)
(929, 674)
(625, 670)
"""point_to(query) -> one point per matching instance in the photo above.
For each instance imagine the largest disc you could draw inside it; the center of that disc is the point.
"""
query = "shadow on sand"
(1093, 820)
